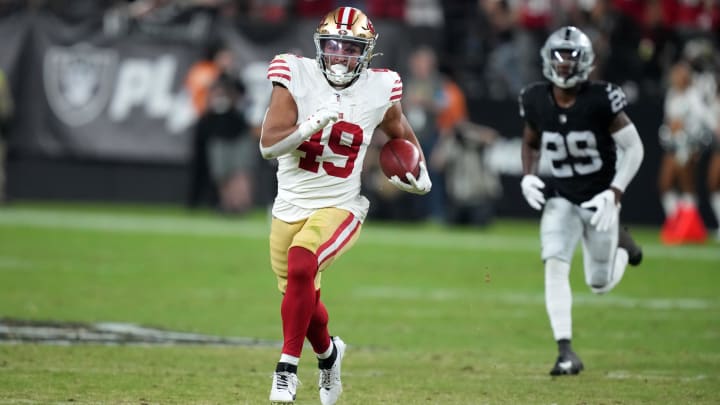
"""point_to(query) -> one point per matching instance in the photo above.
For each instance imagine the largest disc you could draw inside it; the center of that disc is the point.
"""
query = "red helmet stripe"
(345, 17)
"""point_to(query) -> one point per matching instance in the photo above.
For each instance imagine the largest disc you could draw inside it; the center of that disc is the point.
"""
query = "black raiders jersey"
(576, 140)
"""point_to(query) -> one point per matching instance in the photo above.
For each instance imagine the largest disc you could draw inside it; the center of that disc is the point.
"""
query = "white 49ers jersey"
(324, 171)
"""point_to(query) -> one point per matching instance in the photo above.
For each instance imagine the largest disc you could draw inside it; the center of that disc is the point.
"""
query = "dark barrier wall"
(106, 118)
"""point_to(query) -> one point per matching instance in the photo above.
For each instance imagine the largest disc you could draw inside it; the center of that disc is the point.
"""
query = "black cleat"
(567, 364)
(626, 242)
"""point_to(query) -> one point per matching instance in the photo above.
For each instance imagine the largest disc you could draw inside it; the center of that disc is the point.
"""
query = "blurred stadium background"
(104, 162)
(104, 107)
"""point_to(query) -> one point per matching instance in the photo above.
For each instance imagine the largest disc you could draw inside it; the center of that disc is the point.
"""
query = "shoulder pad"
(391, 81)
(279, 70)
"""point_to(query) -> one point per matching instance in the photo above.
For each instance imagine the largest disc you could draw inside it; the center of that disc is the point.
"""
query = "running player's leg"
(560, 230)
(328, 233)
(604, 262)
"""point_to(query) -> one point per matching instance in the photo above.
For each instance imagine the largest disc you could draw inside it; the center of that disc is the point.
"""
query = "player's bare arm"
(530, 152)
(281, 117)
(280, 134)
(532, 186)
(621, 121)
(395, 125)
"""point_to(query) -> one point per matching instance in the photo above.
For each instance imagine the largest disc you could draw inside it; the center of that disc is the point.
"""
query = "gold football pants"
(328, 233)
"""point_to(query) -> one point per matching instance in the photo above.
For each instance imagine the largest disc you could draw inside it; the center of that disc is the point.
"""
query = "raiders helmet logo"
(78, 81)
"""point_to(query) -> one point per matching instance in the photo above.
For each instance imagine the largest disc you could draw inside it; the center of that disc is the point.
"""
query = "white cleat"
(330, 383)
(284, 387)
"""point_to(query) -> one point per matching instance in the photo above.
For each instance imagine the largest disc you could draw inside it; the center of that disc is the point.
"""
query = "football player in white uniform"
(319, 123)
(577, 125)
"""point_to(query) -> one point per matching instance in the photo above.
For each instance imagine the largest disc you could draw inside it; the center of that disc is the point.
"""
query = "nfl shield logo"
(562, 118)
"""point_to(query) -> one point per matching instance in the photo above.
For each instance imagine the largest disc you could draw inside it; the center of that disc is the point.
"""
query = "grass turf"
(432, 315)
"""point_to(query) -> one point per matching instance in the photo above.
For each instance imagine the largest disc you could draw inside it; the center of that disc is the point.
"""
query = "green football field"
(432, 315)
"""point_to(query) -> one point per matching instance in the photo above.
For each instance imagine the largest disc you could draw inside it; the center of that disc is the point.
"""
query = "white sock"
(558, 298)
(715, 204)
(326, 353)
(669, 201)
(286, 358)
(619, 266)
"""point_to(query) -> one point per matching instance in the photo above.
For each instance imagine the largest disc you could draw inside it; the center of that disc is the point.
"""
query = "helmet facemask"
(344, 41)
(342, 58)
(567, 57)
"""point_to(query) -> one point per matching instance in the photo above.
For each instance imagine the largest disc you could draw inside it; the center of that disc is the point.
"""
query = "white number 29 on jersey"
(564, 152)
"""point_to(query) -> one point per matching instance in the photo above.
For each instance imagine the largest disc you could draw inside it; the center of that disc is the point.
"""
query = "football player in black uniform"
(577, 125)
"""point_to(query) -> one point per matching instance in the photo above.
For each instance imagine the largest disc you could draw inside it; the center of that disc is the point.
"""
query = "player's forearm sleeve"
(629, 141)
(287, 144)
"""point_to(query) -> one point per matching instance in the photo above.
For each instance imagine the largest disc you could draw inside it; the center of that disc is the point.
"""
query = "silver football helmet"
(567, 57)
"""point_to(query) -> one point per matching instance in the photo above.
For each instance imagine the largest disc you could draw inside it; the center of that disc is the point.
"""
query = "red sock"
(317, 332)
(299, 301)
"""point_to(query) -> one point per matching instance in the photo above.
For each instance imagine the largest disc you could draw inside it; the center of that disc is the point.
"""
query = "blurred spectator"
(469, 188)
(232, 151)
(315, 8)
(449, 117)
(188, 19)
(713, 173)
(217, 59)
(623, 65)
(657, 50)
(425, 13)
(464, 43)
(704, 61)
(692, 18)
(534, 19)
(503, 72)
(7, 108)
(472, 187)
(682, 137)
(423, 101)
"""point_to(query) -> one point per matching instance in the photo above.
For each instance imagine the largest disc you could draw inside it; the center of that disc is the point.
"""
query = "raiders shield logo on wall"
(78, 81)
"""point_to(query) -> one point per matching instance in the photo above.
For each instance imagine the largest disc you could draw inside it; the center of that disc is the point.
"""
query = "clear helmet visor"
(342, 59)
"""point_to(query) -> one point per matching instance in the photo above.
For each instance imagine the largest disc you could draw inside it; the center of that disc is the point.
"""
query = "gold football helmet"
(344, 41)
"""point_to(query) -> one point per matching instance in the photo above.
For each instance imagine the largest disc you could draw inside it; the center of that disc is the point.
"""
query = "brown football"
(399, 156)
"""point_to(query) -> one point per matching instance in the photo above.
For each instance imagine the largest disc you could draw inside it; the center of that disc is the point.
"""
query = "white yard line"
(371, 235)
(580, 299)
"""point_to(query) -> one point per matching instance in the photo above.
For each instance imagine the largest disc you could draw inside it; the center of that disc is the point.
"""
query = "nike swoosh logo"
(565, 365)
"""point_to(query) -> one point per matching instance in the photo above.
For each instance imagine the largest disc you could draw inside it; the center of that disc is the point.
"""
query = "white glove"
(421, 185)
(532, 190)
(606, 210)
(317, 121)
